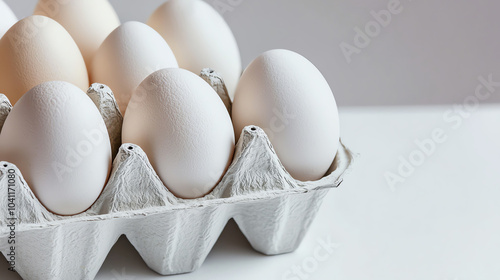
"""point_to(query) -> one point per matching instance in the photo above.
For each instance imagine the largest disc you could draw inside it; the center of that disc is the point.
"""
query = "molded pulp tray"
(172, 235)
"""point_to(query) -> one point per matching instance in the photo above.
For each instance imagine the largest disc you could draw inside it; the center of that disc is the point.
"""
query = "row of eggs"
(57, 138)
(82, 42)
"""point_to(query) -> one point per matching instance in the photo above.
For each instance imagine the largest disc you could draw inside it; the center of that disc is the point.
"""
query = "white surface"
(443, 223)
(431, 52)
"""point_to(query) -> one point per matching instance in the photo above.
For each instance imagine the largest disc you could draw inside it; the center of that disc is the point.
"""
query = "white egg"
(37, 49)
(127, 56)
(286, 95)
(200, 38)
(184, 128)
(57, 138)
(7, 18)
(89, 22)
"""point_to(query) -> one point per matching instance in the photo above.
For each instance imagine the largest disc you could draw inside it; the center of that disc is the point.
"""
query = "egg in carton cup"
(172, 235)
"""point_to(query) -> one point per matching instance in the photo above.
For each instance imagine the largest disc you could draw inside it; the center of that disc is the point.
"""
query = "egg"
(286, 95)
(57, 138)
(127, 56)
(200, 38)
(89, 22)
(7, 18)
(37, 49)
(184, 128)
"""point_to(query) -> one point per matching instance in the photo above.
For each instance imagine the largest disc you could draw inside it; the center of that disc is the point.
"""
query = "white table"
(442, 223)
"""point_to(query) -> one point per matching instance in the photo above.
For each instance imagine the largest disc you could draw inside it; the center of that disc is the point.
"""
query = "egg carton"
(172, 235)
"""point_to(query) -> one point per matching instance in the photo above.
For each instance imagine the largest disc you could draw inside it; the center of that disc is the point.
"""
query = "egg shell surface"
(199, 38)
(57, 138)
(127, 56)
(287, 96)
(89, 22)
(184, 128)
(37, 49)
